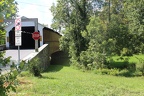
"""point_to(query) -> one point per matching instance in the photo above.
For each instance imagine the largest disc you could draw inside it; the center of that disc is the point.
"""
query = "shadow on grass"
(46, 77)
(125, 68)
(58, 64)
(54, 68)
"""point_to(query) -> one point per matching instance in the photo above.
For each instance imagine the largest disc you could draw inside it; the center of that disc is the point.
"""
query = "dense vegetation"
(8, 9)
(96, 30)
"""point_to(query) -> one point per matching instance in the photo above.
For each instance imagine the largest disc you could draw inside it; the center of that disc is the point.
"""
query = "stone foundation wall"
(42, 55)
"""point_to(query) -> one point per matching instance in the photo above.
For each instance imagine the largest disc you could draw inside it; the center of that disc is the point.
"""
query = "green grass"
(62, 80)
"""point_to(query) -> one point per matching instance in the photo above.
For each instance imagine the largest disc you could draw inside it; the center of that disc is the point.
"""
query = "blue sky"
(36, 9)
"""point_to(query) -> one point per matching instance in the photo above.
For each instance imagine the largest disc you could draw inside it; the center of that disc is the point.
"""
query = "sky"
(36, 9)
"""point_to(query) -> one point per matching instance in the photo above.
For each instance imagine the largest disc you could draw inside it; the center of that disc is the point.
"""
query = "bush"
(117, 72)
(34, 67)
(141, 66)
(113, 72)
(8, 80)
(125, 73)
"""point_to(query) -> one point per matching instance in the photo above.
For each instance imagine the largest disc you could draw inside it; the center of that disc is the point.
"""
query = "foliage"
(72, 16)
(34, 67)
(96, 30)
(141, 65)
(8, 9)
(8, 80)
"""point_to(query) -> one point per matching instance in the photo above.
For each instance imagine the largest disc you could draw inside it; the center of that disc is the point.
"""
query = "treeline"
(95, 30)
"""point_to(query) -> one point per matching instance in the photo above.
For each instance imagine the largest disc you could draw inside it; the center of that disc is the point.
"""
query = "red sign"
(18, 24)
(36, 35)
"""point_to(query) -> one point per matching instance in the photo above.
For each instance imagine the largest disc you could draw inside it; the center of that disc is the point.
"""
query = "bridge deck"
(14, 53)
(14, 57)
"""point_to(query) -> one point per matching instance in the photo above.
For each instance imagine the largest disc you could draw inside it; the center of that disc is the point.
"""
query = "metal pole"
(36, 30)
(18, 55)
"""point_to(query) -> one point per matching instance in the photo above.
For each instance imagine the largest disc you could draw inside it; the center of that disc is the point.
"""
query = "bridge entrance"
(27, 40)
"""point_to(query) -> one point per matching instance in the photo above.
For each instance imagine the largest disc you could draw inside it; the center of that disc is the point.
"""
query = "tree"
(134, 11)
(8, 9)
(72, 16)
(91, 35)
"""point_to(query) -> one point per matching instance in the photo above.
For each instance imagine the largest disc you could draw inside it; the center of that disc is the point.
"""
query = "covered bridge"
(48, 36)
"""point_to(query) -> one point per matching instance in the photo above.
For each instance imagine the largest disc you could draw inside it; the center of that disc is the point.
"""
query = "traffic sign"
(36, 35)
(18, 24)
(18, 33)
(1, 20)
(17, 41)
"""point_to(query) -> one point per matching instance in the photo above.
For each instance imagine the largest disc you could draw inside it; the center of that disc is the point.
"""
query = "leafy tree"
(96, 53)
(7, 81)
(8, 9)
(97, 29)
(73, 17)
(134, 10)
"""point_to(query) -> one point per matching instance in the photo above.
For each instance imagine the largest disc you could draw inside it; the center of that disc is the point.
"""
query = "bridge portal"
(47, 36)
(27, 40)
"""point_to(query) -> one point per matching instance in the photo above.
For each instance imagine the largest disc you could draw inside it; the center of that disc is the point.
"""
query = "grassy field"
(62, 80)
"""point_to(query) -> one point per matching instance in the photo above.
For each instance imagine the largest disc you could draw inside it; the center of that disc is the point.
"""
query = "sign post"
(36, 30)
(18, 36)
(36, 36)
(35, 20)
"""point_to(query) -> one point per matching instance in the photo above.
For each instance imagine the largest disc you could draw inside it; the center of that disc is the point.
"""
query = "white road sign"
(18, 33)
(17, 41)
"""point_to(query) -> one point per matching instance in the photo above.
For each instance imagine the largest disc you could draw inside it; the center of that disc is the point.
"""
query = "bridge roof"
(31, 24)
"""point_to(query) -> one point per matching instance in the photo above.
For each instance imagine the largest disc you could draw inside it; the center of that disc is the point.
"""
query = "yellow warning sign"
(1, 20)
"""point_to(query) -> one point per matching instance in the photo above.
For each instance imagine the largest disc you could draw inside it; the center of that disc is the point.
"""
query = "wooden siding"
(52, 39)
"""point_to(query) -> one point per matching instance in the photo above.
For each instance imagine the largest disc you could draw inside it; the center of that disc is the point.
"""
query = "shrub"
(141, 65)
(8, 80)
(34, 67)
(117, 72)
(105, 71)
(125, 73)
(141, 69)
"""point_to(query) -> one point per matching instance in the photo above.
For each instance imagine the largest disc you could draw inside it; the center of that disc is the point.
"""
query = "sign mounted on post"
(17, 41)
(36, 35)
(18, 36)
(18, 31)
(18, 24)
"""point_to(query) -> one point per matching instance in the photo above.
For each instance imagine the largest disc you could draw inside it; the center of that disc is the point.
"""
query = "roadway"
(14, 53)
(14, 57)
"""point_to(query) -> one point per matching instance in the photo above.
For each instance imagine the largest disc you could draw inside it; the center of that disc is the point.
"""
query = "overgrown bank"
(62, 80)
(96, 30)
